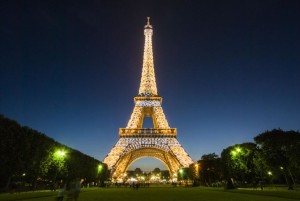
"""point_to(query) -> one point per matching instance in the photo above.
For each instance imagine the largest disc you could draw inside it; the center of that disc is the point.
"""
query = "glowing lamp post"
(197, 170)
(236, 151)
(99, 175)
(59, 156)
(100, 167)
(181, 173)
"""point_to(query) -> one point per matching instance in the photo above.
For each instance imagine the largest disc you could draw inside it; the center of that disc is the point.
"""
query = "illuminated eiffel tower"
(136, 142)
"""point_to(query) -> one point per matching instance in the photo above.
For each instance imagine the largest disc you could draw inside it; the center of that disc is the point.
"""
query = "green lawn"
(164, 194)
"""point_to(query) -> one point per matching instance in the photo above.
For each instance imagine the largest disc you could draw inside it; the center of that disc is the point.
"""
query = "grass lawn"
(164, 194)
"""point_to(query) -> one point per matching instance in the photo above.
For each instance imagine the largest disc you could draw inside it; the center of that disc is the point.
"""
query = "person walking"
(60, 195)
(73, 190)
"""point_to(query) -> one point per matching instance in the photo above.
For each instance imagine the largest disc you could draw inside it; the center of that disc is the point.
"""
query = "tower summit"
(135, 141)
(148, 83)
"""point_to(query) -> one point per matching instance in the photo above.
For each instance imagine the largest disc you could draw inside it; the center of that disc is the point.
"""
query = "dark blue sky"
(227, 70)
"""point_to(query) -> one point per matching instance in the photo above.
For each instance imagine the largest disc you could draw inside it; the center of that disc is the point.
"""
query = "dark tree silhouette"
(280, 149)
(210, 169)
(27, 156)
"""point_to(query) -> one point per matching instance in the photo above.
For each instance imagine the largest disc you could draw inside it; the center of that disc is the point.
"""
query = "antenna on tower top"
(148, 26)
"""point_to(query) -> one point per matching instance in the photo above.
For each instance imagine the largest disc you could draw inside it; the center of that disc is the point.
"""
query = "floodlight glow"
(233, 153)
(60, 153)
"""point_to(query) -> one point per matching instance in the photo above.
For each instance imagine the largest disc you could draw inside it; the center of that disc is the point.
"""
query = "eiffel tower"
(136, 142)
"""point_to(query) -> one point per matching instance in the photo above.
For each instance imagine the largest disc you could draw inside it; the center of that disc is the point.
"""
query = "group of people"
(135, 185)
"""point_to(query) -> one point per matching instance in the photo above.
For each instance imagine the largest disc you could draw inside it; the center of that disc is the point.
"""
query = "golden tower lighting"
(135, 141)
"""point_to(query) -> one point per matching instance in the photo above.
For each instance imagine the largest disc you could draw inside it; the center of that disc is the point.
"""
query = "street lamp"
(100, 167)
(236, 151)
(197, 170)
(58, 157)
(60, 154)
(181, 173)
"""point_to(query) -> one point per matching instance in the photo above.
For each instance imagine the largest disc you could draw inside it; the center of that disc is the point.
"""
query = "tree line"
(273, 157)
(32, 160)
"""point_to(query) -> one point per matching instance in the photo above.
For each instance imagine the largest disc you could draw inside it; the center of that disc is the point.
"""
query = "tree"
(11, 162)
(210, 169)
(138, 171)
(38, 152)
(27, 155)
(261, 168)
(238, 164)
(280, 149)
(192, 173)
(156, 171)
(165, 174)
(184, 174)
(103, 173)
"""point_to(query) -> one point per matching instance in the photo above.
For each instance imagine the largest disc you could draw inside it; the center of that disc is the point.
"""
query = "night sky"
(227, 70)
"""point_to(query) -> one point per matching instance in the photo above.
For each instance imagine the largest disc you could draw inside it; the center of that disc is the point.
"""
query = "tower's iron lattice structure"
(135, 141)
